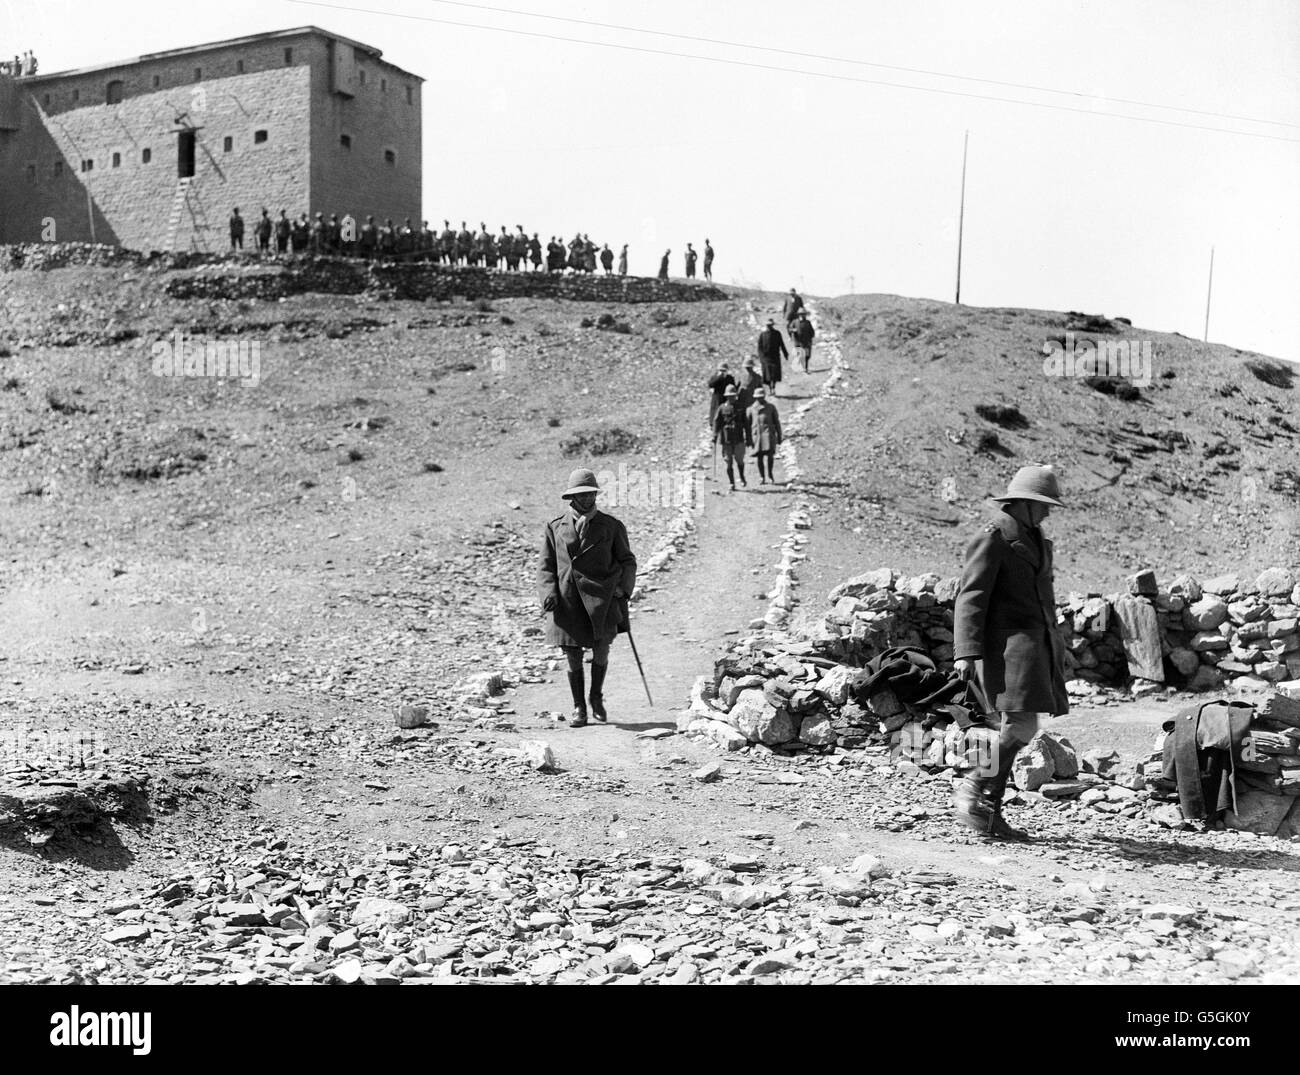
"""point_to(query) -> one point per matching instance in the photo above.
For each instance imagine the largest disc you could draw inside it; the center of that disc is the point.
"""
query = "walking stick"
(638, 663)
(715, 458)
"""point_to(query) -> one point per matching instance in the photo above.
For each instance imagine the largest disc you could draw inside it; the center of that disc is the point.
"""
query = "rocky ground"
(216, 597)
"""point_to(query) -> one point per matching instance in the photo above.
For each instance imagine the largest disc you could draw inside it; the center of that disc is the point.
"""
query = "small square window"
(58, 169)
(117, 160)
(390, 157)
(345, 140)
(239, 66)
(259, 137)
(288, 57)
(198, 74)
(157, 81)
(227, 144)
(146, 155)
(410, 96)
(113, 92)
(87, 165)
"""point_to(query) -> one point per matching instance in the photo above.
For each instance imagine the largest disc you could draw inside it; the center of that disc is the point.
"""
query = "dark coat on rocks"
(771, 349)
(1005, 617)
(584, 576)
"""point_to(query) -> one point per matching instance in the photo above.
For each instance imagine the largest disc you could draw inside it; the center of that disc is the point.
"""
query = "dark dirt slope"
(1200, 472)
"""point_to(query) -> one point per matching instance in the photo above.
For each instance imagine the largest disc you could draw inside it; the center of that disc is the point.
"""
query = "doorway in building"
(185, 154)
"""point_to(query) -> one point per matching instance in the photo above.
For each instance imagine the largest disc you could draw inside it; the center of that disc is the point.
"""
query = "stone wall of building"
(92, 164)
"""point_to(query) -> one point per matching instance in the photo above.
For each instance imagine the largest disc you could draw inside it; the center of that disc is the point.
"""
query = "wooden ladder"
(178, 208)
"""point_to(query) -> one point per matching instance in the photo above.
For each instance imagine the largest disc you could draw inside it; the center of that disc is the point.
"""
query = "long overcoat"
(1005, 617)
(771, 349)
(764, 426)
(584, 576)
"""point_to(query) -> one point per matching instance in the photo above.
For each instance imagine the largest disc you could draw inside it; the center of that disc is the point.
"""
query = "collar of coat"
(566, 526)
(1021, 538)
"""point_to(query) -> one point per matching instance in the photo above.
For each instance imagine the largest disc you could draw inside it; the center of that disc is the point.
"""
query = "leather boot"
(994, 791)
(970, 804)
(597, 698)
(579, 703)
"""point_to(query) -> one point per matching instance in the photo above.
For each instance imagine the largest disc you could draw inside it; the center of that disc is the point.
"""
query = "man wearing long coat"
(802, 334)
(791, 307)
(585, 575)
(771, 349)
(750, 380)
(1005, 636)
(718, 389)
(765, 434)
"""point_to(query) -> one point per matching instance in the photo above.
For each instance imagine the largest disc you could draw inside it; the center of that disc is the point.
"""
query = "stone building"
(154, 152)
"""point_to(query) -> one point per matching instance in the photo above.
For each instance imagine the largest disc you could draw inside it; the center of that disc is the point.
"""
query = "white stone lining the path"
(783, 596)
(673, 539)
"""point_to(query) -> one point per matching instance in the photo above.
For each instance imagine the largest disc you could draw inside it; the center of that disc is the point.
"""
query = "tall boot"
(995, 789)
(596, 697)
(740, 466)
(970, 804)
(579, 702)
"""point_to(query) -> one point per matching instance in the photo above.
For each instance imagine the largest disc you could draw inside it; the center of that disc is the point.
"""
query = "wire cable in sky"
(792, 70)
(850, 60)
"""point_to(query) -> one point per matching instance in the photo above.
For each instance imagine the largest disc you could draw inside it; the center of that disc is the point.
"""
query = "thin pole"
(961, 214)
(1209, 289)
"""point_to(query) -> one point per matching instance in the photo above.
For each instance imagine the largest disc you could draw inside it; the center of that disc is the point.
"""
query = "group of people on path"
(1006, 647)
(692, 259)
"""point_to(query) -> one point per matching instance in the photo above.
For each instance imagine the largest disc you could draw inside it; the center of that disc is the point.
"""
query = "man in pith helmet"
(585, 576)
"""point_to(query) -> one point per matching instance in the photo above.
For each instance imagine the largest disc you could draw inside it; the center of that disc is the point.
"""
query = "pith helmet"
(581, 481)
(1034, 483)
(760, 393)
(730, 390)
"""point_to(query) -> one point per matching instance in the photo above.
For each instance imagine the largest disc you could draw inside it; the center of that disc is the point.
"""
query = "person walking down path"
(751, 379)
(765, 434)
(731, 429)
(791, 307)
(718, 388)
(771, 349)
(586, 573)
(1005, 639)
(803, 333)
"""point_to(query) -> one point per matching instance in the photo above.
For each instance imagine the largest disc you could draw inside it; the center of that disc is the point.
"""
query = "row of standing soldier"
(386, 241)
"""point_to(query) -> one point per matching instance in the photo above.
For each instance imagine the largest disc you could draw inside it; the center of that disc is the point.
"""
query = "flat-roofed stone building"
(155, 151)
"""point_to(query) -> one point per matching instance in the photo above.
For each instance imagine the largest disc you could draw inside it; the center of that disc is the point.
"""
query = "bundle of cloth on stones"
(1186, 634)
(1232, 762)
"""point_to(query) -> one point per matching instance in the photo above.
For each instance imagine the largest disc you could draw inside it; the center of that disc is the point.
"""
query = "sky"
(835, 171)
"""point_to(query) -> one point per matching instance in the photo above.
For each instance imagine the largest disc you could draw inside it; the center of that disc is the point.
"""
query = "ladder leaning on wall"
(186, 202)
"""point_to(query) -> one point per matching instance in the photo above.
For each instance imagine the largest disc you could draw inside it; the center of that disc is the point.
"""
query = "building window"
(345, 140)
(157, 81)
(390, 157)
(58, 169)
(288, 57)
(361, 75)
(117, 160)
(87, 165)
(146, 155)
(227, 144)
(239, 66)
(31, 173)
(198, 74)
(113, 94)
(47, 100)
(76, 96)
(259, 137)
(410, 96)
(383, 85)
